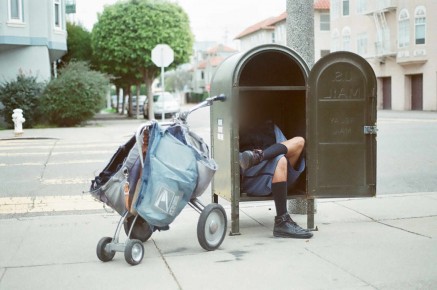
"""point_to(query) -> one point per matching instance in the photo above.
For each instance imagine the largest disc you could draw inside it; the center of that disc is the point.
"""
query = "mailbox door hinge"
(370, 130)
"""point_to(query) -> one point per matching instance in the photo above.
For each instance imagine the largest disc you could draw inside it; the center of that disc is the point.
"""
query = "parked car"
(162, 102)
(134, 104)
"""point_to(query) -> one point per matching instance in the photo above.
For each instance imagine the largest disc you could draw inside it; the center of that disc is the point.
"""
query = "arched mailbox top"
(268, 65)
(342, 75)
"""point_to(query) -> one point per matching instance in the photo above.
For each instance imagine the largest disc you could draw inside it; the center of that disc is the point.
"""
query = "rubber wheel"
(102, 253)
(134, 252)
(141, 230)
(211, 228)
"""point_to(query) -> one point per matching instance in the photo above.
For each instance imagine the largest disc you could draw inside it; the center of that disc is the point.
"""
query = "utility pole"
(300, 38)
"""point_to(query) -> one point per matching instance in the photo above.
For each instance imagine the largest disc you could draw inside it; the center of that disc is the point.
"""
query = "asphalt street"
(62, 161)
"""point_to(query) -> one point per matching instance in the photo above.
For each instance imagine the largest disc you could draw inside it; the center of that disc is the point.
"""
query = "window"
(404, 29)
(345, 8)
(346, 36)
(16, 10)
(324, 22)
(420, 24)
(273, 37)
(362, 44)
(58, 13)
(361, 6)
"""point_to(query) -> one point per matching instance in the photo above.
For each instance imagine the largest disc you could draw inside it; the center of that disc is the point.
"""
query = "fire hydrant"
(18, 119)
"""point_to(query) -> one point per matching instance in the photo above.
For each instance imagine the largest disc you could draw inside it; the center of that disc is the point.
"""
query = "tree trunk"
(137, 109)
(123, 103)
(129, 107)
(117, 103)
(148, 80)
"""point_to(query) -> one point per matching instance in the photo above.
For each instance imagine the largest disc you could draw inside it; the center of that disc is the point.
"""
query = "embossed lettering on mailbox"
(342, 83)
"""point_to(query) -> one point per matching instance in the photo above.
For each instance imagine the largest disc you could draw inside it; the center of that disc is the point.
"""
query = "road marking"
(66, 181)
(58, 153)
(45, 204)
(12, 147)
(53, 163)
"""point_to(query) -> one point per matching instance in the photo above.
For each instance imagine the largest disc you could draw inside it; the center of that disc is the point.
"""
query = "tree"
(78, 43)
(126, 33)
(75, 96)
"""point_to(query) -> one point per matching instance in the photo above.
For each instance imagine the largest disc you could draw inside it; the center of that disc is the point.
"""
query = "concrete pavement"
(380, 243)
(49, 241)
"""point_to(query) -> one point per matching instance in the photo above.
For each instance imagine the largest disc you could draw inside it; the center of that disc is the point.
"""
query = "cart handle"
(208, 102)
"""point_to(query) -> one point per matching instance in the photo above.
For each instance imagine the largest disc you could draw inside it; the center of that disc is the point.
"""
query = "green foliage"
(75, 96)
(126, 33)
(78, 43)
(22, 93)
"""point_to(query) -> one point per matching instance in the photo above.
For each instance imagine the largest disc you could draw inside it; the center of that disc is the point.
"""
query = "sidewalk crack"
(167, 265)
(3, 275)
(385, 224)
(47, 160)
(341, 268)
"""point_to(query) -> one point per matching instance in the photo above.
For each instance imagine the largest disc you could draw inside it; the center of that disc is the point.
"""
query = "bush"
(75, 96)
(23, 93)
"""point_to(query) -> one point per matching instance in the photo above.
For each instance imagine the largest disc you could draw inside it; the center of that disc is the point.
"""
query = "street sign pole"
(162, 56)
(163, 89)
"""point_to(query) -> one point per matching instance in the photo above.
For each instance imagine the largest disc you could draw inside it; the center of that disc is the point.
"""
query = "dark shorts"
(257, 180)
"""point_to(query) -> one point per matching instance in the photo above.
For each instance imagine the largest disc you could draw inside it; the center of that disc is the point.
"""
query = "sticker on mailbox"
(220, 135)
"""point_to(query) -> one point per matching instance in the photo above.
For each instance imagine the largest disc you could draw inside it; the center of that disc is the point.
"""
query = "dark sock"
(279, 191)
(274, 150)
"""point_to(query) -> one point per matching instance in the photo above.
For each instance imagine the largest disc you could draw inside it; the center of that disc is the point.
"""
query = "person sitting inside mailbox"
(271, 164)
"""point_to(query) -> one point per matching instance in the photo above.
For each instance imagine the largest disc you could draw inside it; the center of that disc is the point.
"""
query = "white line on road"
(58, 153)
(54, 163)
(67, 181)
(45, 204)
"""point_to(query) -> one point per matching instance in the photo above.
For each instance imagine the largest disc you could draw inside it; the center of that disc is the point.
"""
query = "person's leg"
(279, 187)
(284, 225)
(251, 158)
(294, 149)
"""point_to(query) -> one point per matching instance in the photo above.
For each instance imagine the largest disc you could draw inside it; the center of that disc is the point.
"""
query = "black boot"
(285, 227)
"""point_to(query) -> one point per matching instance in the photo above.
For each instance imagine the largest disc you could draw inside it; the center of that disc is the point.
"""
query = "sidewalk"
(386, 242)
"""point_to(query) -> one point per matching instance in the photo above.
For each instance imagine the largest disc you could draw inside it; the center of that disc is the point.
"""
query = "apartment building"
(32, 37)
(274, 30)
(396, 37)
(205, 62)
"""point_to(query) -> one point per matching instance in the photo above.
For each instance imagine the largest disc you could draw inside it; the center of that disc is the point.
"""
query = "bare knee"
(300, 142)
(280, 174)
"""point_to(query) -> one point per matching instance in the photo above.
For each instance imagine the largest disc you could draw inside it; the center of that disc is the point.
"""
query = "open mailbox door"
(341, 127)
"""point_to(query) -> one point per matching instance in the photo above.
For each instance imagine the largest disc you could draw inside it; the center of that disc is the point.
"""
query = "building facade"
(396, 38)
(274, 30)
(205, 62)
(32, 37)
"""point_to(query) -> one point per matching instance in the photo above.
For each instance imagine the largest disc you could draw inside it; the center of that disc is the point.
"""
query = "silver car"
(163, 102)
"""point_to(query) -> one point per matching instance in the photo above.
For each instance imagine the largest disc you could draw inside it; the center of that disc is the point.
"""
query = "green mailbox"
(333, 107)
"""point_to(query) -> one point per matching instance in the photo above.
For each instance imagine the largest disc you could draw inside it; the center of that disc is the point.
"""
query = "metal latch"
(370, 130)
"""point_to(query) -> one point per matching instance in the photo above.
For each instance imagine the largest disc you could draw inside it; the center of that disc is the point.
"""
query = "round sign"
(162, 55)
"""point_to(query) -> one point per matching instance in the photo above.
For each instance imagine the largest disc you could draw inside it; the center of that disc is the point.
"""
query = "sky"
(218, 20)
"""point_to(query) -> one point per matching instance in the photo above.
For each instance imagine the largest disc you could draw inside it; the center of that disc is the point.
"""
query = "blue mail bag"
(169, 178)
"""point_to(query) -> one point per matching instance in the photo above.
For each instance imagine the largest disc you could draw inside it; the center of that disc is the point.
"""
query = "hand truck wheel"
(211, 227)
(134, 252)
(103, 254)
